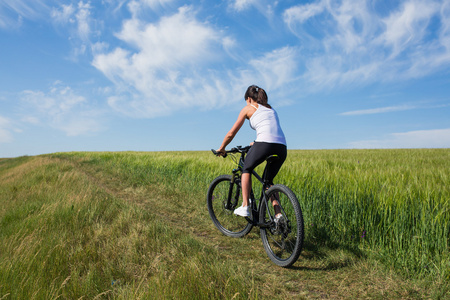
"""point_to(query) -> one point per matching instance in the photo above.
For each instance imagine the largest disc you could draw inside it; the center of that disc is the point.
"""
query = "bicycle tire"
(283, 246)
(223, 217)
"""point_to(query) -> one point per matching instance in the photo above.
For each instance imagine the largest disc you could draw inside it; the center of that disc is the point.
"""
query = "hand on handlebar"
(239, 149)
(220, 152)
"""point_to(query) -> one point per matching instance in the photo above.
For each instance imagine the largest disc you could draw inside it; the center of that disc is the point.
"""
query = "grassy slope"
(88, 224)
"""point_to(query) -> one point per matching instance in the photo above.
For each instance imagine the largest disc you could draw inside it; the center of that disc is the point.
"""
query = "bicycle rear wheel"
(221, 212)
(283, 244)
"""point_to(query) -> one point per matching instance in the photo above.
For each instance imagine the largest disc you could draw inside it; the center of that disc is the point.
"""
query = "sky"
(170, 75)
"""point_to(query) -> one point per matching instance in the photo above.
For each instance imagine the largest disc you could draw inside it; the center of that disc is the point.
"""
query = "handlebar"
(237, 149)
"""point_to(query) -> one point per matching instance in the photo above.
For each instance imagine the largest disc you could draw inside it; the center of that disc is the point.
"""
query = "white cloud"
(64, 14)
(250, 8)
(80, 23)
(408, 26)
(136, 7)
(166, 70)
(84, 20)
(348, 42)
(241, 5)
(444, 34)
(154, 4)
(178, 39)
(177, 63)
(302, 13)
(60, 108)
(5, 130)
(437, 138)
(12, 12)
(378, 110)
(276, 68)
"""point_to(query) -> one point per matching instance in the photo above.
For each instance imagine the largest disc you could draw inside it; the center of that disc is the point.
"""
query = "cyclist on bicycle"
(270, 140)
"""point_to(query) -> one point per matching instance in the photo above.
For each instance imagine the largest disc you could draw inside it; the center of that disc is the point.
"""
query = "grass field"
(135, 225)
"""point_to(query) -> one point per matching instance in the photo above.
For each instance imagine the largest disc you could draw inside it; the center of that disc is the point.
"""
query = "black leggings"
(258, 154)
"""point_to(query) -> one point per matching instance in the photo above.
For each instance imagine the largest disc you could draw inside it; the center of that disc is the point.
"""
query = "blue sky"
(150, 75)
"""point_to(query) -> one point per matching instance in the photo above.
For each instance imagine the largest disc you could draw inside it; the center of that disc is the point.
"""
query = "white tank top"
(267, 125)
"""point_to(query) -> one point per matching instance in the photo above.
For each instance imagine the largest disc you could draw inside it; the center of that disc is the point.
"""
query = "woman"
(270, 140)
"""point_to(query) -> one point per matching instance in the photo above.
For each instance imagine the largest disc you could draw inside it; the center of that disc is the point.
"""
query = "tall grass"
(394, 204)
(390, 204)
(65, 235)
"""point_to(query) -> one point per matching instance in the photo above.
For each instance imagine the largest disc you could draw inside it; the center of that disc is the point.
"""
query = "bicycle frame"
(265, 185)
(282, 237)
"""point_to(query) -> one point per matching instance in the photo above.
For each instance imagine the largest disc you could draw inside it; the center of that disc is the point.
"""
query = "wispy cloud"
(161, 71)
(64, 13)
(12, 12)
(5, 130)
(355, 44)
(407, 27)
(378, 110)
(62, 109)
(396, 108)
(264, 7)
(435, 138)
(277, 68)
(81, 24)
(156, 70)
(241, 5)
(153, 4)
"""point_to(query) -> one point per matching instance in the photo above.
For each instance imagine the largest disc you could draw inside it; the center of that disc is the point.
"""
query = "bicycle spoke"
(283, 243)
(221, 210)
(282, 237)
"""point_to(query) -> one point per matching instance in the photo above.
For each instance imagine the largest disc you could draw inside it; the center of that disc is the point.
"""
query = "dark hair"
(257, 94)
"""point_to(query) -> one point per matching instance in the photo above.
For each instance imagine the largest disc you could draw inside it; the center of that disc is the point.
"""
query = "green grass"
(63, 236)
(135, 225)
(392, 203)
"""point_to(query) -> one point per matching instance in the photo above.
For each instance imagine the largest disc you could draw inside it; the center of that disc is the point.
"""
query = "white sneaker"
(243, 211)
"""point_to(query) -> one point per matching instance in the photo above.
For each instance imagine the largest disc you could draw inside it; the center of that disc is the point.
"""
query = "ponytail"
(257, 94)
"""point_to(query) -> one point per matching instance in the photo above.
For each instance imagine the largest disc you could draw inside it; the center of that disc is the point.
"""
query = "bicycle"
(282, 241)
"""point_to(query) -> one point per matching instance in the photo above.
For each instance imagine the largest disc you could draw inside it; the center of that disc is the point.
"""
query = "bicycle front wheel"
(283, 242)
(222, 198)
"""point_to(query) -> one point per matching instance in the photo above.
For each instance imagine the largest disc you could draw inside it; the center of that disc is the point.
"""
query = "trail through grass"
(135, 225)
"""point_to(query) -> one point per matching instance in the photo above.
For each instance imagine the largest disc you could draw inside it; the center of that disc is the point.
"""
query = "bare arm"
(234, 130)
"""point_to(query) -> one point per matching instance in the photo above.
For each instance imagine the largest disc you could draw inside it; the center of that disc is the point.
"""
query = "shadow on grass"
(318, 246)
(318, 238)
